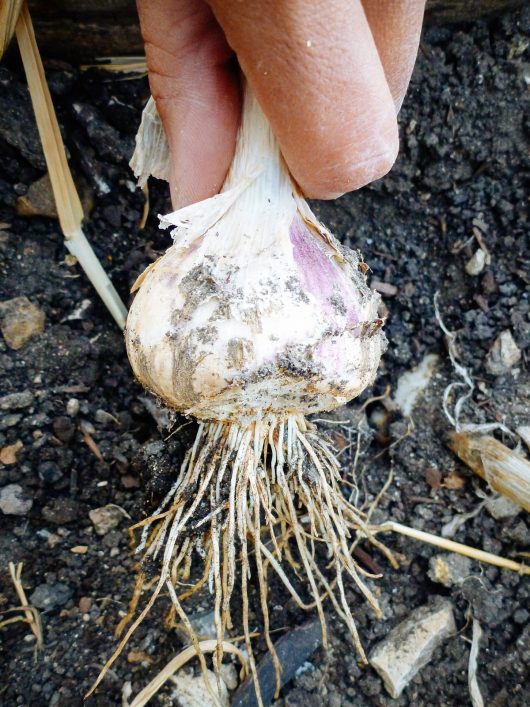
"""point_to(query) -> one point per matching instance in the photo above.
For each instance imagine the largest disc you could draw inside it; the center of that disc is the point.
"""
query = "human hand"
(329, 74)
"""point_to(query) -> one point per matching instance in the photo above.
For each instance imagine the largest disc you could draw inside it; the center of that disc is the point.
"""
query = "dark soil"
(463, 169)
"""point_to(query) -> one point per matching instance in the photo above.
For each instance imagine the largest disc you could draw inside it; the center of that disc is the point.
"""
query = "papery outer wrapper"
(151, 153)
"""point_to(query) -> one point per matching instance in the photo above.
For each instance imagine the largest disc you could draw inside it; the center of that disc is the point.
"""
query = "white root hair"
(273, 485)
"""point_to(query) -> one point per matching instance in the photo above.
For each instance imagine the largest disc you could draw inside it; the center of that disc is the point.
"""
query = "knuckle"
(346, 167)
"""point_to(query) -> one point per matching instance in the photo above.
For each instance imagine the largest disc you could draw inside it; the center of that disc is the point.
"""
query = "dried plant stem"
(452, 546)
(9, 12)
(65, 194)
(271, 492)
(177, 662)
(31, 614)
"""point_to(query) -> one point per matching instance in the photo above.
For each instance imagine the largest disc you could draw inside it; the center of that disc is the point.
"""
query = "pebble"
(49, 472)
(50, 596)
(63, 428)
(106, 518)
(500, 507)
(229, 675)
(17, 122)
(61, 511)
(39, 200)
(21, 321)
(475, 265)
(8, 454)
(16, 401)
(203, 623)
(503, 355)
(7, 421)
(130, 482)
(449, 569)
(411, 644)
(14, 500)
(85, 604)
(292, 649)
(191, 691)
(107, 140)
(72, 407)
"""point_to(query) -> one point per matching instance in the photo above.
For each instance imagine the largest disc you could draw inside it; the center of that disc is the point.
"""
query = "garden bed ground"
(86, 428)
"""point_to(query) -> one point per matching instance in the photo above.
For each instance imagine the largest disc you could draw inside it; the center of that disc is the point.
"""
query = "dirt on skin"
(88, 432)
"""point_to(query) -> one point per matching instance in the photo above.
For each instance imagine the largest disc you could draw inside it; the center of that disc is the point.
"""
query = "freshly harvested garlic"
(254, 318)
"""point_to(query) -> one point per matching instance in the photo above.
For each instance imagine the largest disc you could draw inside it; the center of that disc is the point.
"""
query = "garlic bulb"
(256, 308)
(255, 317)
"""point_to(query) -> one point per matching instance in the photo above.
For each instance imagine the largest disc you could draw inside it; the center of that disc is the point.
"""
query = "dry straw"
(66, 197)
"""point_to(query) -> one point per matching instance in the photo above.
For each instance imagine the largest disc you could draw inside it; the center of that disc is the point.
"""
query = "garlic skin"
(256, 309)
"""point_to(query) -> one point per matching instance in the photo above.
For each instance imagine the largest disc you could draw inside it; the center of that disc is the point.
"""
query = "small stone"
(7, 421)
(191, 691)
(85, 604)
(229, 675)
(112, 215)
(14, 500)
(39, 200)
(50, 596)
(61, 511)
(106, 518)
(503, 354)
(449, 569)
(139, 657)
(411, 644)
(63, 428)
(49, 472)
(79, 549)
(203, 623)
(521, 616)
(293, 650)
(8, 455)
(475, 265)
(130, 482)
(16, 401)
(21, 321)
(500, 507)
(488, 283)
(72, 407)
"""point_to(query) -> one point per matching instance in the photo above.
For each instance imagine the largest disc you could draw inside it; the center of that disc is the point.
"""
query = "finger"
(396, 29)
(317, 74)
(196, 92)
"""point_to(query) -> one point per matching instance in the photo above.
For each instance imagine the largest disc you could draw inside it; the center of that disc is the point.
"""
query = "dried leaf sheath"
(505, 471)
